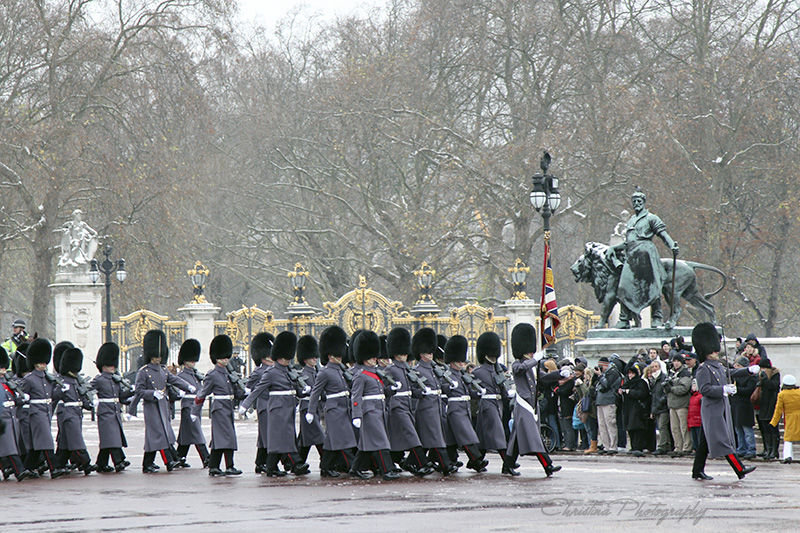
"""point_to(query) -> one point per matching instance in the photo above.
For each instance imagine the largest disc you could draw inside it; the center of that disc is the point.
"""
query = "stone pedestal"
(200, 325)
(79, 314)
(625, 342)
(518, 312)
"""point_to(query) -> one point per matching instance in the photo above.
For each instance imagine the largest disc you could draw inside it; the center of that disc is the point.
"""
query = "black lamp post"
(108, 267)
(545, 196)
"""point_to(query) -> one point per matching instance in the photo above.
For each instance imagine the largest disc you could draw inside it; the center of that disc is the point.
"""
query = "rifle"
(348, 375)
(236, 380)
(296, 377)
(124, 385)
(414, 378)
(54, 379)
(473, 382)
(386, 378)
(501, 380)
(442, 372)
(85, 391)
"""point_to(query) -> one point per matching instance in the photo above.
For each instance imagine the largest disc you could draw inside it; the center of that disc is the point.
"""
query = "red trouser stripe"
(163, 456)
(542, 459)
(735, 462)
(346, 462)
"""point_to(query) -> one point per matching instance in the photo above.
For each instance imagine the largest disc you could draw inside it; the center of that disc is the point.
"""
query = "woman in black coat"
(769, 379)
(636, 409)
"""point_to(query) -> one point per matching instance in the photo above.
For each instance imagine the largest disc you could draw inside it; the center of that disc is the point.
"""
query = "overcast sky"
(267, 12)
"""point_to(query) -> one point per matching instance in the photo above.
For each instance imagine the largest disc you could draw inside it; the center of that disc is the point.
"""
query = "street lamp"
(298, 276)
(519, 274)
(107, 267)
(425, 282)
(545, 196)
(198, 275)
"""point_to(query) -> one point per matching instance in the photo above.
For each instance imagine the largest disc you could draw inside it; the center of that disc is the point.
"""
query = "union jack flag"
(549, 309)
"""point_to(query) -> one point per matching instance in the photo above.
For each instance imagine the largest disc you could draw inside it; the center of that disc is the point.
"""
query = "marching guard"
(260, 352)
(489, 423)
(12, 398)
(311, 433)
(72, 398)
(190, 432)
(526, 437)
(112, 390)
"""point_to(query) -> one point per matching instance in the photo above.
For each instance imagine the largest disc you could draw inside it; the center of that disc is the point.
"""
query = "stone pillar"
(79, 314)
(518, 312)
(200, 319)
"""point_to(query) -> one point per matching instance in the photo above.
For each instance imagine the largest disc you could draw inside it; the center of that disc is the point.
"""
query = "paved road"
(593, 494)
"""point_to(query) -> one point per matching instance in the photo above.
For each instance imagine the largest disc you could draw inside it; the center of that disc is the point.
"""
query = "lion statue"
(593, 266)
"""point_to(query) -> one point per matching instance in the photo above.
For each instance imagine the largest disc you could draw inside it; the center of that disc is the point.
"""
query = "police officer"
(260, 350)
(71, 403)
(311, 433)
(219, 385)
(526, 437)
(190, 432)
(331, 387)
(18, 337)
(111, 392)
(150, 388)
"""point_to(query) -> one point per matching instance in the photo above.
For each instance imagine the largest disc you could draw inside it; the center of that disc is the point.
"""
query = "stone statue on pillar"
(78, 242)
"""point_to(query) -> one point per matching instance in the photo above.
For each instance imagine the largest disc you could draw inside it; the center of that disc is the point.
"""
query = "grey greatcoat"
(109, 412)
(715, 409)
(402, 431)
(368, 404)
(69, 410)
(459, 419)
(489, 423)
(261, 403)
(310, 434)
(190, 431)
(280, 407)
(8, 414)
(218, 387)
(428, 416)
(526, 430)
(40, 389)
(339, 434)
(158, 433)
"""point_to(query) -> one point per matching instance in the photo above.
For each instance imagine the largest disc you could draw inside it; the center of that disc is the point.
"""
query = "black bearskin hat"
(4, 359)
(39, 352)
(332, 341)
(351, 346)
(705, 339)
(21, 366)
(441, 341)
(154, 346)
(58, 351)
(384, 354)
(189, 351)
(71, 361)
(424, 341)
(523, 340)
(488, 345)
(285, 345)
(261, 346)
(221, 348)
(367, 346)
(398, 342)
(307, 348)
(107, 355)
(455, 351)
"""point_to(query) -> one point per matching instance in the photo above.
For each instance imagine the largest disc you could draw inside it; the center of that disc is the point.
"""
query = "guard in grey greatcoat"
(526, 437)
(58, 351)
(260, 352)
(331, 392)
(39, 385)
(219, 386)
(716, 439)
(150, 388)
(311, 433)
(112, 391)
(369, 412)
(402, 431)
(190, 432)
(459, 397)
(489, 423)
(428, 414)
(283, 386)
(19, 363)
(71, 400)
(11, 398)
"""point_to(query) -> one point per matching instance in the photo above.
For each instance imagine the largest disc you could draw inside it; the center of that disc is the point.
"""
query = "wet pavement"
(590, 493)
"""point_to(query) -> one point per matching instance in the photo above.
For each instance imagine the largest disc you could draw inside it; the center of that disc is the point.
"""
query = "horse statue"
(593, 266)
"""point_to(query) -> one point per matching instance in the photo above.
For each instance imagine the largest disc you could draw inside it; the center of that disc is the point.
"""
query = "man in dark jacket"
(608, 383)
(769, 379)
(679, 391)
(659, 411)
(742, 411)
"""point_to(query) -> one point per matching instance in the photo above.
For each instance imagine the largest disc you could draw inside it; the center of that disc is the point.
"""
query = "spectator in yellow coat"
(789, 403)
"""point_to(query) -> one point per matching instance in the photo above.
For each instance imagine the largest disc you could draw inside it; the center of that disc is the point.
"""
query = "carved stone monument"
(78, 301)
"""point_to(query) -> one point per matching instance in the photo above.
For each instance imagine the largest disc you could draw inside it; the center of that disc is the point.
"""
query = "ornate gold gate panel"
(129, 331)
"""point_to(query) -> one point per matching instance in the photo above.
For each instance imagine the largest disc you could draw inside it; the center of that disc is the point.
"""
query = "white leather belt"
(490, 397)
(26, 406)
(459, 399)
(9, 403)
(73, 404)
(374, 397)
(404, 393)
(435, 392)
(338, 394)
(108, 400)
(222, 396)
(282, 393)
(189, 396)
(40, 401)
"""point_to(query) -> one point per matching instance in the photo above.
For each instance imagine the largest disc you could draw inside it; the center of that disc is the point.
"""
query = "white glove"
(754, 369)
(242, 409)
(192, 389)
(193, 418)
(729, 389)
(128, 417)
(566, 372)
(481, 391)
(247, 391)
(65, 387)
(397, 386)
(26, 397)
(95, 402)
(158, 395)
(309, 418)
(181, 394)
(357, 423)
(539, 355)
(453, 384)
(306, 389)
